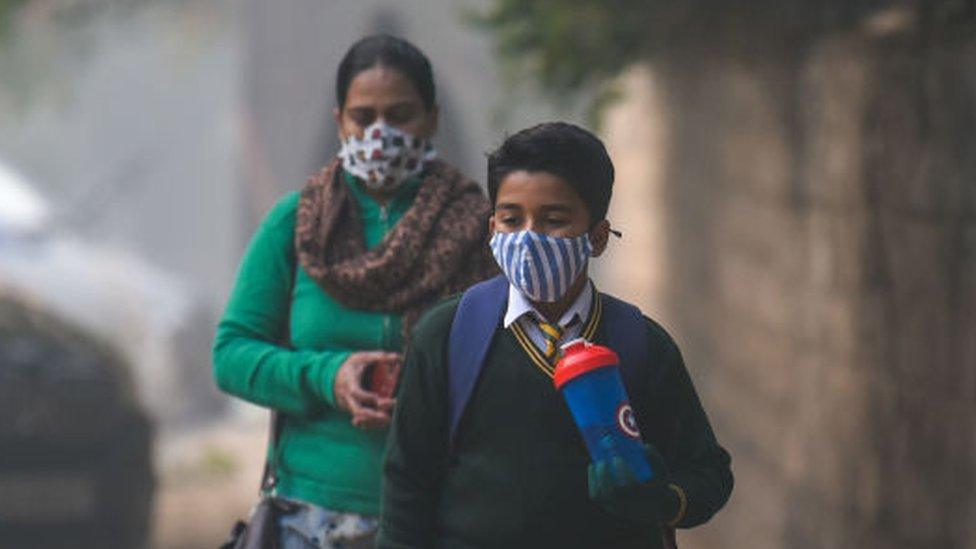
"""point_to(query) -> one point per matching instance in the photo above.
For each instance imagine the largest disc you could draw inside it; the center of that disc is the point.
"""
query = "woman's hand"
(368, 409)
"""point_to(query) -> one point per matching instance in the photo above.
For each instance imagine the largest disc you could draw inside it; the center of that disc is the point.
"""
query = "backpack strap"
(476, 320)
(626, 332)
(626, 335)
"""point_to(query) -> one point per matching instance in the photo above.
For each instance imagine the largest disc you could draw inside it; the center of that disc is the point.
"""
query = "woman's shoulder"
(282, 213)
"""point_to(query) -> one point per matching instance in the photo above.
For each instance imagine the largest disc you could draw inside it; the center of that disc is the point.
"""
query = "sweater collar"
(519, 306)
(399, 203)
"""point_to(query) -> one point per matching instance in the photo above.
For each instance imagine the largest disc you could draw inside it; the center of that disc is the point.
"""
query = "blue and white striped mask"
(540, 266)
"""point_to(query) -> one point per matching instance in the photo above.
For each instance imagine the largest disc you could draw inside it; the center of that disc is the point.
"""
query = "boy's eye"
(556, 221)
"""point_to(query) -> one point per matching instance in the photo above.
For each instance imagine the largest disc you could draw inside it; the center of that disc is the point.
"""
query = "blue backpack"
(478, 317)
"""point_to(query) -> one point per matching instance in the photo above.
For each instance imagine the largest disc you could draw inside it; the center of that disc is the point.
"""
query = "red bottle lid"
(581, 357)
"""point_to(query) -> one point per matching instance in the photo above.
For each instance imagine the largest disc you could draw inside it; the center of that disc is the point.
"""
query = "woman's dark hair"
(573, 154)
(387, 51)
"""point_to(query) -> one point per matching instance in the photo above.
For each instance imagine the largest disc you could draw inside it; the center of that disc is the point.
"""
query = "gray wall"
(822, 259)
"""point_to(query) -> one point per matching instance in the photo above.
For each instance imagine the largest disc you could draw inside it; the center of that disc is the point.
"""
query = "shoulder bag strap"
(269, 477)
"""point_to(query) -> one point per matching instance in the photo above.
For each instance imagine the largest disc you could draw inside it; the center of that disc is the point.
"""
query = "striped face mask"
(542, 267)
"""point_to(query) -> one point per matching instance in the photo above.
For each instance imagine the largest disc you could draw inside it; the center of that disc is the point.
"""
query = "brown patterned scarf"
(438, 248)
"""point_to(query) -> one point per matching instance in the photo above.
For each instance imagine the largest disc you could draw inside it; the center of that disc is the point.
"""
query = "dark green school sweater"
(518, 474)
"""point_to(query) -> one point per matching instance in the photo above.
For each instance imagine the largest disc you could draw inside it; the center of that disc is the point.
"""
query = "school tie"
(551, 333)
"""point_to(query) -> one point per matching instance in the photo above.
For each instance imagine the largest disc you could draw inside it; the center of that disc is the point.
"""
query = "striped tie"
(551, 333)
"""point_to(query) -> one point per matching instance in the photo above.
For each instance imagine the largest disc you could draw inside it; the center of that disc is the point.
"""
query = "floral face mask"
(385, 156)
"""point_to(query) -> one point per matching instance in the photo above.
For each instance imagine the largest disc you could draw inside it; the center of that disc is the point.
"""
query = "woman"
(332, 282)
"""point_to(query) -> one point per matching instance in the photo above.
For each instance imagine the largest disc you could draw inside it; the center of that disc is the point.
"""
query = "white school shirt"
(520, 308)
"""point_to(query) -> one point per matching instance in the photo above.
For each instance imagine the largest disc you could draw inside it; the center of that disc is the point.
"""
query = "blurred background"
(796, 187)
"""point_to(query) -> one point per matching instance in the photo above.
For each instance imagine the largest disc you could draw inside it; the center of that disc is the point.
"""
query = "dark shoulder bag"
(260, 531)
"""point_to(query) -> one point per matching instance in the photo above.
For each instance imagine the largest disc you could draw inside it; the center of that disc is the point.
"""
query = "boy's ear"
(491, 225)
(599, 235)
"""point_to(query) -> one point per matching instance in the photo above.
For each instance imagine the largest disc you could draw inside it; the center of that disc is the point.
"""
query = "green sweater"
(322, 459)
(518, 474)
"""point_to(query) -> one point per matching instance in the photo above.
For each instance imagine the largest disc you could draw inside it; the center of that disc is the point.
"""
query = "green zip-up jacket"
(322, 458)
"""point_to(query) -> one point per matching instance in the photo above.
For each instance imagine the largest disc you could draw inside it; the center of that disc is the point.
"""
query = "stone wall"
(819, 202)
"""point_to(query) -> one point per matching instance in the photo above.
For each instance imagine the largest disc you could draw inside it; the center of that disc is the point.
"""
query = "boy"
(507, 467)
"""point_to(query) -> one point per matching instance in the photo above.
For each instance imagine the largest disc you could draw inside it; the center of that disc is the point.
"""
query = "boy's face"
(544, 203)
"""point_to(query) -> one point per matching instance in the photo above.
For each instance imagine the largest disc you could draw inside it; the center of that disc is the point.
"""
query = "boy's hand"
(614, 486)
(368, 409)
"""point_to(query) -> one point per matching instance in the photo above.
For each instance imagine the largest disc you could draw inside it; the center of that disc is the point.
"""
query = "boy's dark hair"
(387, 51)
(573, 154)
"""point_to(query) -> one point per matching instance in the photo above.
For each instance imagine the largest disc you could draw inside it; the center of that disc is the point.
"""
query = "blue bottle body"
(601, 409)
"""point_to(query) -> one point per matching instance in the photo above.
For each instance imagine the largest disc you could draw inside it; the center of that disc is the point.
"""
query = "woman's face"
(384, 93)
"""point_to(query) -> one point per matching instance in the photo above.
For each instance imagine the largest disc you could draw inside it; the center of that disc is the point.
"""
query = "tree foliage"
(570, 46)
(567, 45)
(7, 11)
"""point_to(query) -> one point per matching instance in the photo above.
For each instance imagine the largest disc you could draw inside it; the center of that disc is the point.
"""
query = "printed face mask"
(542, 267)
(386, 156)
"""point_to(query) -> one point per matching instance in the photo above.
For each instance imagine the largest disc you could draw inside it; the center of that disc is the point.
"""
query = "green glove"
(614, 486)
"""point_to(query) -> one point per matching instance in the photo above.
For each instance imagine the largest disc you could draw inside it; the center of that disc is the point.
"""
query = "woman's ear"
(434, 120)
(599, 235)
(337, 116)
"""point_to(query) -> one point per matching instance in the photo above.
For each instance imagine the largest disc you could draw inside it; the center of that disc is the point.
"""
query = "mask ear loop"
(616, 233)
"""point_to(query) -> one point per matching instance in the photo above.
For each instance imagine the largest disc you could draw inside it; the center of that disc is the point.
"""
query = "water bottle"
(588, 376)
